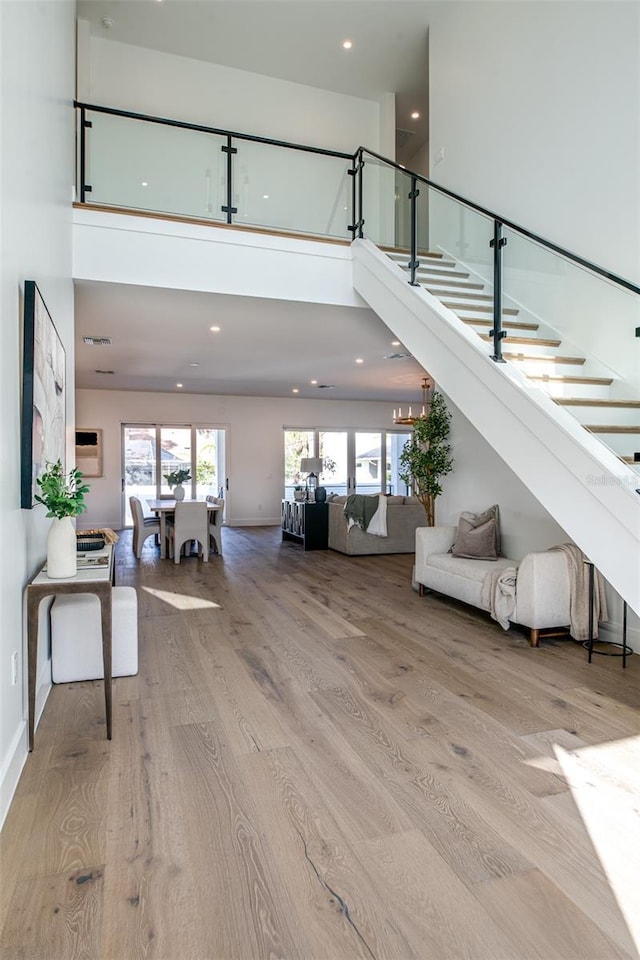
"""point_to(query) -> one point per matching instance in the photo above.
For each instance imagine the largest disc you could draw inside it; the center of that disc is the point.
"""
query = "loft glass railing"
(144, 163)
(153, 164)
(153, 167)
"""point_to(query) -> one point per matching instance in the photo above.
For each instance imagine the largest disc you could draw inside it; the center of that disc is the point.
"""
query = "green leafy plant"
(177, 476)
(63, 495)
(426, 456)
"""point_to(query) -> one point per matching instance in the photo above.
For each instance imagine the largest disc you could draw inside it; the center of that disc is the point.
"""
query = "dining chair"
(190, 523)
(143, 527)
(215, 524)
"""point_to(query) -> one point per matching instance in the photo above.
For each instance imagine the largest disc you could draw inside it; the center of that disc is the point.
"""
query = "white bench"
(76, 636)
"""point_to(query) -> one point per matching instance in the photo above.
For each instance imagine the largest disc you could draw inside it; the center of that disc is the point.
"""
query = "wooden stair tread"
(529, 341)
(578, 361)
(506, 311)
(558, 378)
(512, 325)
(407, 253)
(590, 402)
(452, 283)
(610, 428)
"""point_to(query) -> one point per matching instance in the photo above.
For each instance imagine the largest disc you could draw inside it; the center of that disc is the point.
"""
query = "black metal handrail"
(593, 267)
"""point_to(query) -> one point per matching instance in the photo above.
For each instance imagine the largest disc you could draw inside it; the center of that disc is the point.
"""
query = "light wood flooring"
(316, 763)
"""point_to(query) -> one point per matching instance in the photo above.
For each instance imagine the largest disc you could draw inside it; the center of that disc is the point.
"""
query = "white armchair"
(190, 523)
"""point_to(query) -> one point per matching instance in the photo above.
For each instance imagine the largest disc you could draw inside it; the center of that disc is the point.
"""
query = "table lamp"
(313, 467)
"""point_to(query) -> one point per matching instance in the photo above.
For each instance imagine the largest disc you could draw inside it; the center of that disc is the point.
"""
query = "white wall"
(36, 177)
(537, 108)
(255, 441)
(165, 85)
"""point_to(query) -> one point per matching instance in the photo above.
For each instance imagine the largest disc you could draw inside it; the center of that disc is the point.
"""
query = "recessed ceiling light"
(395, 343)
(347, 44)
(214, 329)
(415, 115)
(194, 364)
(314, 382)
(145, 183)
(359, 360)
(179, 385)
(265, 196)
(295, 390)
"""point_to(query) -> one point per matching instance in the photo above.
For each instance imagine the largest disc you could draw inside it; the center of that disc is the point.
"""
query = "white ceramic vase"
(61, 549)
(178, 492)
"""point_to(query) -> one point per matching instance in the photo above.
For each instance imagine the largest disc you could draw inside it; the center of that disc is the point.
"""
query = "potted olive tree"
(63, 496)
(426, 456)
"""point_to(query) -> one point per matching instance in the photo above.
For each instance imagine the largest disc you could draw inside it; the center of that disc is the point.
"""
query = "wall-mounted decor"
(89, 452)
(43, 393)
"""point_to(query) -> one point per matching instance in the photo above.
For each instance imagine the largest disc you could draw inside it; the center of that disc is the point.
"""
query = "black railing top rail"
(593, 267)
(529, 234)
(200, 128)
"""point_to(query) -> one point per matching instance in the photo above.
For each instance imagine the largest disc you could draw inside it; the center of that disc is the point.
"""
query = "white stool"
(76, 636)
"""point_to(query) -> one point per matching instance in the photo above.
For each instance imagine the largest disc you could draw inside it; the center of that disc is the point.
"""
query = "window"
(363, 461)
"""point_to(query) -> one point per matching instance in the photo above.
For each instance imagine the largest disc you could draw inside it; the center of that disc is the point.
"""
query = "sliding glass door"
(150, 451)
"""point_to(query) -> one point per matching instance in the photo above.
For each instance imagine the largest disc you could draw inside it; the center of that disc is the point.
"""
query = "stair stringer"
(579, 481)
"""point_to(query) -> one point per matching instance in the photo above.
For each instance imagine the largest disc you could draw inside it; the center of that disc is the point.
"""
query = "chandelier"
(410, 419)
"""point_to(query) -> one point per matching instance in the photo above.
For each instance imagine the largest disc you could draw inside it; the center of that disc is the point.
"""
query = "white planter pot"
(61, 549)
(178, 492)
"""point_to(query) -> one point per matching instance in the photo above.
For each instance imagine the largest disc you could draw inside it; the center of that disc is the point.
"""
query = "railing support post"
(84, 125)
(414, 263)
(228, 208)
(355, 229)
(498, 242)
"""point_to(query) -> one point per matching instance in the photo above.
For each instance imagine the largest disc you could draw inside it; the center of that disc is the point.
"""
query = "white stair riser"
(586, 391)
(621, 416)
(624, 444)
(540, 368)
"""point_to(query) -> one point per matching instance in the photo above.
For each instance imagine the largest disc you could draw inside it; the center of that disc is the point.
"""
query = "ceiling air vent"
(108, 373)
(97, 341)
(326, 386)
(396, 356)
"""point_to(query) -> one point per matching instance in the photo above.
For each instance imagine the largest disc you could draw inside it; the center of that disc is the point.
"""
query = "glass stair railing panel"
(154, 167)
(297, 191)
(593, 318)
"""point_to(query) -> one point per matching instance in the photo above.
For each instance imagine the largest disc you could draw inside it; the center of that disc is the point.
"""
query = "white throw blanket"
(378, 523)
(499, 594)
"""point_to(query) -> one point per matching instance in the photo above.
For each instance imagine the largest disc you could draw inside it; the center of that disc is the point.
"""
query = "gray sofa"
(404, 516)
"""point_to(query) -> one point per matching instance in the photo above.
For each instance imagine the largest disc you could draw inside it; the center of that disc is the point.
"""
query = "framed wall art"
(89, 451)
(43, 393)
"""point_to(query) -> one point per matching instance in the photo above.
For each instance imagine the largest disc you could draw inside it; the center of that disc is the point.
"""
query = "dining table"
(167, 505)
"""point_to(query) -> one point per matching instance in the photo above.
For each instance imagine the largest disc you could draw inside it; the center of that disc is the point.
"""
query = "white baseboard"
(19, 751)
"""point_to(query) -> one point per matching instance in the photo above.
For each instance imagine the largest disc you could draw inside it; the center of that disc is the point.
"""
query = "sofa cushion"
(394, 501)
(478, 535)
(413, 500)
(471, 569)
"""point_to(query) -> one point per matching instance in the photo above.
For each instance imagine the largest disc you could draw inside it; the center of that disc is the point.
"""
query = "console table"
(95, 575)
(307, 523)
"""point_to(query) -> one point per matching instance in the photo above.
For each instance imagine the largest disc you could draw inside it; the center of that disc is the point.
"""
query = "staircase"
(541, 357)
(551, 414)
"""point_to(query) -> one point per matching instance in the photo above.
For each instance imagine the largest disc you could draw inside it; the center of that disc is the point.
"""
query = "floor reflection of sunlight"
(605, 786)
(182, 601)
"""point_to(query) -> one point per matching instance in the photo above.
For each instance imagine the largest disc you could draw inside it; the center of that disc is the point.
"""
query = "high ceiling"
(291, 343)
